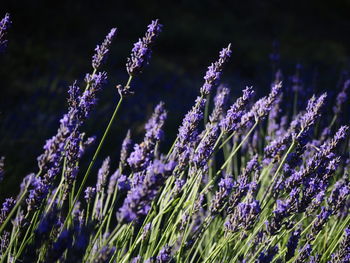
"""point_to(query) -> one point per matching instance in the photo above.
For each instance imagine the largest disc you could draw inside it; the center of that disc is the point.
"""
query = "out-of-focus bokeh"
(50, 44)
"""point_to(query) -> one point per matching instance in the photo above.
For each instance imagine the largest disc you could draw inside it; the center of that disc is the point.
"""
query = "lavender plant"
(256, 183)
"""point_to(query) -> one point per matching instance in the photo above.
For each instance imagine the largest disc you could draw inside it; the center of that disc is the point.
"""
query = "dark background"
(51, 44)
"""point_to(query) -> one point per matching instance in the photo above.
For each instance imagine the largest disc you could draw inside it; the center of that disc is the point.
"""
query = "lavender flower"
(89, 193)
(164, 255)
(37, 193)
(105, 254)
(6, 208)
(241, 186)
(220, 101)
(213, 74)
(341, 98)
(113, 181)
(103, 173)
(284, 208)
(63, 242)
(102, 50)
(236, 111)
(262, 107)
(188, 132)
(226, 185)
(268, 255)
(125, 151)
(297, 84)
(206, 146)
(244, 216)
(342, 255)
(54, 148)
(141, 53)
(138, 201)
(318, 224)
(339, 194)
(312, 112)
(123, 183)
(292, 244)
(143, 153)
(75, 148)
(304, 254)
(4, 25)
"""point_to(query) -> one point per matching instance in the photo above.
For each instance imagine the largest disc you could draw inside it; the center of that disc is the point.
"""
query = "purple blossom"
(343, 252)
(304, 254)
(341, 98)
(220, 102)
(262, 107)
(125, 150)
(268, 255)
(138, 201)
(113, 181)
(213, 73)
(188, 133)
(89, 193)
(226, 185)
(236, 111)
(6, 208)
(74, 150)
(313, 111)
(63, 242)
(339, 194)
(102, 175)
(123, 183)
(4, 25)
(244, 216)
(141, 53)
(104, 254)
(318, 224)
(50, 160)
(102, 50)
(206, 146)
(292, 244)
(37, 193)
(143, 153)
(164, 255)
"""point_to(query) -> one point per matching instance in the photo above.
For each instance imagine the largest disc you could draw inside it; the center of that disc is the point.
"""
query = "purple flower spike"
(89, 193)
(141, 53)
(103, 173)
(125, 151)
(37, 194)
(236, 111)
(343, 252)
(220, 102)
(292, 244)
(268, 255)
(262, 107)
(341, 97)
(304, 254)
(213, 74)
(138, 201)
(4, 25)
(143, 153)
(164, 255)
(244, 216)
(6, 208)
(101, 50)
